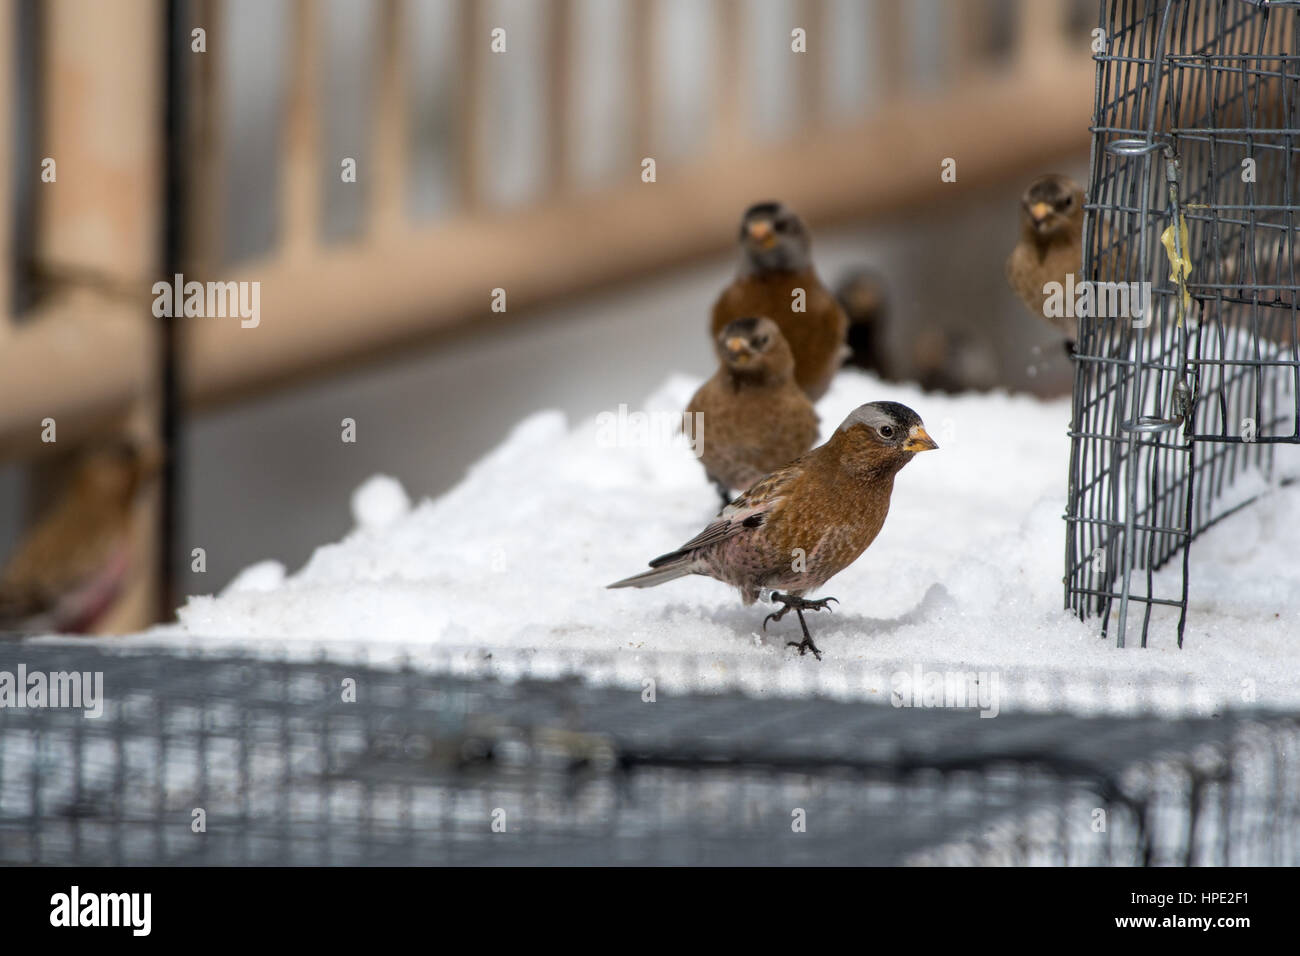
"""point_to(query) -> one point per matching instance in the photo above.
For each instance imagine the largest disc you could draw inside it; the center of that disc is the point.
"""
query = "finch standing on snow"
(777, 280)
(754, 417)
(798, 527)
(1050, 246)
(70, 568)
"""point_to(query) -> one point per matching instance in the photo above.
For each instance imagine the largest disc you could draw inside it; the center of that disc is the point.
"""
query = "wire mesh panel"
(236, 760)
(1194, 201)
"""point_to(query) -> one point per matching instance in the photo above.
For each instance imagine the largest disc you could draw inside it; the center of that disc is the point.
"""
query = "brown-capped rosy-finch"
(753, 417)
(1050, 246)
(777, 280)
(798, 527)
(70, 568)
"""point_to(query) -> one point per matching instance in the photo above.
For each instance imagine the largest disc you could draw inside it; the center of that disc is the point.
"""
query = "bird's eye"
(760, 343)
(886, 431)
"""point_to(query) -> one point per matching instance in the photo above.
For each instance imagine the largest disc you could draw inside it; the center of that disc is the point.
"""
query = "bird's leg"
(807, 643)
(799, 605)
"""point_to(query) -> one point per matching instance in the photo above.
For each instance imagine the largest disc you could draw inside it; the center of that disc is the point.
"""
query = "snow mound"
(966, 575)
(379, 502)
(260, 578)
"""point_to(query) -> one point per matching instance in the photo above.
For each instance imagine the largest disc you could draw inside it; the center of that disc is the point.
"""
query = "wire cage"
(232, 759)
(1194, 201)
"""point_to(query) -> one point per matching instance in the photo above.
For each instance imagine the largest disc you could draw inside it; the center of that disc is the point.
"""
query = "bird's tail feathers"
(672, 557)
(657, 575)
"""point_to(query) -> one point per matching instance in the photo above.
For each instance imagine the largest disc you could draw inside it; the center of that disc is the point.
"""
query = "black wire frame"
(1196, 118)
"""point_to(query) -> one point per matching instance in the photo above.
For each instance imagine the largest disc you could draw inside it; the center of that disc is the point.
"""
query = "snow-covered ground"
(965, 577)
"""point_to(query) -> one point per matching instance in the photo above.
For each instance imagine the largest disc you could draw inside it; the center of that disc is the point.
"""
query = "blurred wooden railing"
(324, 304)
(85, 353)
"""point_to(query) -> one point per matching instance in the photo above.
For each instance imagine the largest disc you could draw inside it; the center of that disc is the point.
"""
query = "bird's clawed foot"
(799, 605)
(821, 604)
(805, 645)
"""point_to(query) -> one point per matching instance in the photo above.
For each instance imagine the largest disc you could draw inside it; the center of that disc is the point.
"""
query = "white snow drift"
(966, 576)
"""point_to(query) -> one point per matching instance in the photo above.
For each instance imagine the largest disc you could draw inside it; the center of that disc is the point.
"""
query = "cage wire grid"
(422, 764)
(1170, 413)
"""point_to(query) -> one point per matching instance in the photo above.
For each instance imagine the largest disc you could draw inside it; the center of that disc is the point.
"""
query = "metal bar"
(1130, 543)
(204, 219)
(7, 60)
(176, 77)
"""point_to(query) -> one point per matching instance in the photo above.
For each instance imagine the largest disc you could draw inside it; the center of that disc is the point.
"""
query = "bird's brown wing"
(746, 513)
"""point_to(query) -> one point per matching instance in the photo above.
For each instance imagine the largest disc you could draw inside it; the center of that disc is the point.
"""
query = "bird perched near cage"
(1050, 245)
(864, 297)
(754, 417)
(777, 279)
(70, 568)
(804, 523)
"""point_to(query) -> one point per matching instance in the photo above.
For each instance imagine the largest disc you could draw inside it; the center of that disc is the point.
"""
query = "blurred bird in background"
(68, 570)
(754, 417)
(1050, 246)
(864, 297)
(932, 362)
(777, 277)
(944, 360)
(801, 525)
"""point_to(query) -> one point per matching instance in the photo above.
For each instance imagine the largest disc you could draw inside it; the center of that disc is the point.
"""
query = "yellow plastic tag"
(1178, 264)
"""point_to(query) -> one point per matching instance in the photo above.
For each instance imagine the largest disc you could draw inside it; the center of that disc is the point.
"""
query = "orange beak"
(737, 349)
(918, 440)
(760, 231)
(1039, 211)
